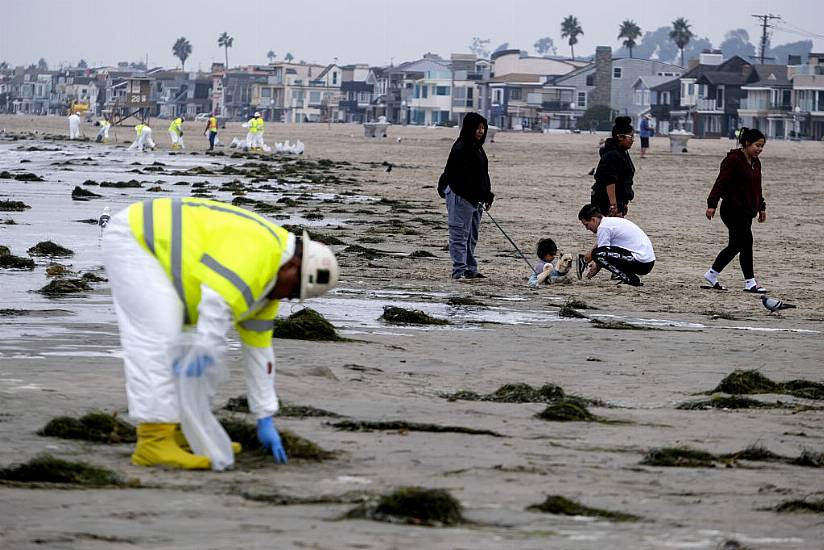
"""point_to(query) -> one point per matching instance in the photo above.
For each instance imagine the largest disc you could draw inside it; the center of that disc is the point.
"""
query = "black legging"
(739, 225)
(621, 263)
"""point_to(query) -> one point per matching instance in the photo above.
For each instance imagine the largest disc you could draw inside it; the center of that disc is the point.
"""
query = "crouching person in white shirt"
(622, 248)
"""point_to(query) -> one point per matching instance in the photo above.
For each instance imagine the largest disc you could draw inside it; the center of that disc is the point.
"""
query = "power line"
(765, 24)
(798, 30)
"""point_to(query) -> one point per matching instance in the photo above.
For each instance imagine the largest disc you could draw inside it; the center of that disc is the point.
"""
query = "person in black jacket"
(466, 187)
(612, 190)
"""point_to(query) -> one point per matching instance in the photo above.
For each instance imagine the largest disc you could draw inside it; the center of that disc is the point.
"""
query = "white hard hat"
(319, 269)
(257, 113)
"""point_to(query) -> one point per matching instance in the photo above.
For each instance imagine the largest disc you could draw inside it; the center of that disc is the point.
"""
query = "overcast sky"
(372, 31)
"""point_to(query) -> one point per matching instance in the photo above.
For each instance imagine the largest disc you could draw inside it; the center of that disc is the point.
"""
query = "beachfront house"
(808, 91)
(766, 102)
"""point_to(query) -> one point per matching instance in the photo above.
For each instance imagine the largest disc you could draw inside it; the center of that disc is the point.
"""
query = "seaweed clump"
(415, 506)
(680, 457)
(567, 410)
(296, 447)
(48, 469)
(403, 427)
(10, 261)
(80, 194)
(96, 426)
(562, 506)
(514, 393)
(13, 206)
(753, 382)
(306, 324)
(240, 404)
(618, 325)
(809, 458)
(59, 287)
(815, 506)
(49, 248)
(399, 315)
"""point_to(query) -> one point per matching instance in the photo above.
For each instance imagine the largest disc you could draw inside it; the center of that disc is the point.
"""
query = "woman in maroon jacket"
(738, 186)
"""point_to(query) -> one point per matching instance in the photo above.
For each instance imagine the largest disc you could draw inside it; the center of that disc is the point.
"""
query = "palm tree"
(681, 35)
(630, 31)
(225, 41)
(571, 28)
(271, 55)
(289, 57)
(182, 49)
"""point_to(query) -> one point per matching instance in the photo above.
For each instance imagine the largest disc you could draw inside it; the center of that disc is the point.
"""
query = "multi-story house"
(523, 94)
(469, 91)
(808, 89)
(357, 94)
(613, 82)
(431, 98)
(766, 103)
(705, 99)
(644, 96)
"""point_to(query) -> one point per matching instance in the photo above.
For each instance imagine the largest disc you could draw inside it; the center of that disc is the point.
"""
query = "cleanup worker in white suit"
(74, 126)
(175, 263)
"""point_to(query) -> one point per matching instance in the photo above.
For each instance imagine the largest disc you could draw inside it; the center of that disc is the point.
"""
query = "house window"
(515, 93)
(498, 96)
(314, 97)
(616, 72)
(719, 97)
(441, 90)
(425, 91)
(334, 78)
(820, 101)
(591, 79)
(582, 100)
(690, 89)
(266, 92)
(665, 98)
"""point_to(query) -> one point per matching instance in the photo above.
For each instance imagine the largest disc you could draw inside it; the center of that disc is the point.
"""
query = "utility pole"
(765, 24)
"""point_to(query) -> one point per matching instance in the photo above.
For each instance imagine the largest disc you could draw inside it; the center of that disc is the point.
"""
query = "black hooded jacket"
(615, 167)
(467, 169)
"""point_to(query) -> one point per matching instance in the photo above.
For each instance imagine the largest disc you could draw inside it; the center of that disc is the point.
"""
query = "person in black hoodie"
(466, 187)
(738, 187)
(612, 190)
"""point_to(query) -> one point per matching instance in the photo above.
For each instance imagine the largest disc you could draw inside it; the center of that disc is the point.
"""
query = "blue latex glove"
(270, 439)
(195, 367)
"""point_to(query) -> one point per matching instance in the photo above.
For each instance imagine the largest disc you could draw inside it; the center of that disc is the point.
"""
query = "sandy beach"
(60, 356)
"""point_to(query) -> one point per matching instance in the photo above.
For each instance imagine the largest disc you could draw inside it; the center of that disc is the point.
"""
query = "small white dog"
(559, 273)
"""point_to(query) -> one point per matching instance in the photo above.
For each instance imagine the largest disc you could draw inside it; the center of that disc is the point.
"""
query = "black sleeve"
(608, 169)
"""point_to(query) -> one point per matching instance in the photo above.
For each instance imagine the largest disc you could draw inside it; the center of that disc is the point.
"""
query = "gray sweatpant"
(464, 223)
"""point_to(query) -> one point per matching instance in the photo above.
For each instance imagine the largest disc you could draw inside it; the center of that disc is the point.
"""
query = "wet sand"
(65, 362)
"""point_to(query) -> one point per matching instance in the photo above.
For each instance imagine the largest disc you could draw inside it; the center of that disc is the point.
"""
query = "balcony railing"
(708, 104)
(556, 105)
(462, 103)
(753, 104)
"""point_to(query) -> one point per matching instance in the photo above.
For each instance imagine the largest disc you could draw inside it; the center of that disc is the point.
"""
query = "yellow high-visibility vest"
(252, 126)
(259, 123)
(212, 124)
(235, 252)
(176, 126)
(139, 129)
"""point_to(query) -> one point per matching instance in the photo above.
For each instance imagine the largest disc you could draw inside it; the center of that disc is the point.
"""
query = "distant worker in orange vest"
(211, 129)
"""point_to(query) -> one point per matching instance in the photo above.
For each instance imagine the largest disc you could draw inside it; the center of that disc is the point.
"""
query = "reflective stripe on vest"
(230, 276)
(177, 254)
(257, 325)
(148, 225)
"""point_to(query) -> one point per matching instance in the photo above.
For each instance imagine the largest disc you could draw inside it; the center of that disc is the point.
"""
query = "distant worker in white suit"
(74, 126)
(143, 138)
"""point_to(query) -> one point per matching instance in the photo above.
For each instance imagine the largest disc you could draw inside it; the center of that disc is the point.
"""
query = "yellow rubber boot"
(156, 446)
(180, 439)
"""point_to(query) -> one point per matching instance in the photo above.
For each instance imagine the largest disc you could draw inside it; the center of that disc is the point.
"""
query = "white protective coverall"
(150, 313)
(74, 126)
(143, 138)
